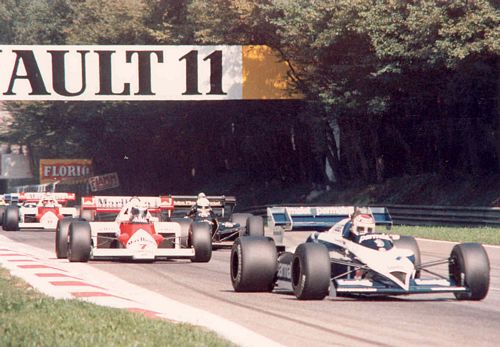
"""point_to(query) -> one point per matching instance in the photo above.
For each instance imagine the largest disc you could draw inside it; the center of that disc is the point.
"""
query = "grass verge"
(484, 235)
(28, 318)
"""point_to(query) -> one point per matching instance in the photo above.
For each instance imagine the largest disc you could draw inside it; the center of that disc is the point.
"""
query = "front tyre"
(469, 267)
(62, 233)
(201, 240)
(11, 218)
(80, 241)
(253, 264)
(311, 271)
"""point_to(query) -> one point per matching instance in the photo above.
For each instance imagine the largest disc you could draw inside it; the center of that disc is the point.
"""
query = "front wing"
(153, 254)
(368, 287)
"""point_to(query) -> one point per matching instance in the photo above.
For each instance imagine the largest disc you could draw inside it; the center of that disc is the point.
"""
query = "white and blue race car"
(351, 260)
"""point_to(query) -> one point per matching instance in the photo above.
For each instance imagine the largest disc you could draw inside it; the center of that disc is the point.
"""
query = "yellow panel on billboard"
(265, 76)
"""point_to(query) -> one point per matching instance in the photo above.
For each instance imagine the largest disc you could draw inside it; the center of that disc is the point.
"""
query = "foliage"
(411, 85)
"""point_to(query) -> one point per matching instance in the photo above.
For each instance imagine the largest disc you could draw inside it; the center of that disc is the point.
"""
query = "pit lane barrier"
(419, 215)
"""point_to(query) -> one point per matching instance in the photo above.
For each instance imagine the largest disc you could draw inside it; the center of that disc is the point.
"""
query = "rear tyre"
(2, 212)
(241, 219)
(80, 241)
(62, 232)
(253, 264)
(409, 242)
(469, 267)
(255, 226)
(311, 271)
(11, 218)
(201, 240)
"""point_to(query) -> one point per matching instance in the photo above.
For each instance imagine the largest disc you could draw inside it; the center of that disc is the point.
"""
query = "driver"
(139, 213)
(201, 208)
(356, 226)
(362, 224)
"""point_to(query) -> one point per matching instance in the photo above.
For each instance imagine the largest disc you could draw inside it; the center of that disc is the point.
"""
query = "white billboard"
(15, 166)
(120, 72)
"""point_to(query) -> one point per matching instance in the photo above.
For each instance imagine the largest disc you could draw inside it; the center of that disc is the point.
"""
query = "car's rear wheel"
(311, 271)
(409, 242)
(469, 267)
(201, 240)
(2, 212)
(255, 226)
(11, 218)
(62, 233)
(241, 219)
(80, 241)
(253, 264)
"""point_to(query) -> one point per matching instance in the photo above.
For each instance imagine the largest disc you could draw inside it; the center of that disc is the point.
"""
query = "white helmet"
(201, 195)
(363, 224)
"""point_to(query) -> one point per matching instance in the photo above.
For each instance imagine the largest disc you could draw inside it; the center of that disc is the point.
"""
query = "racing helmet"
(203, 203)
(363, 224)
(203, 207)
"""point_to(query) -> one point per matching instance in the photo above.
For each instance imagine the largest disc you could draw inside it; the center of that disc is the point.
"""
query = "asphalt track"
(417, 320)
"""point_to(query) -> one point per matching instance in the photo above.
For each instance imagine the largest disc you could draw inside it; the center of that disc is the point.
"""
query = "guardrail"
(423, 215)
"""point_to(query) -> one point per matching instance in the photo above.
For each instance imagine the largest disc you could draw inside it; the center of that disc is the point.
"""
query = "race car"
(225, 225)
(35, 210)
(137, 232)
(351, 259)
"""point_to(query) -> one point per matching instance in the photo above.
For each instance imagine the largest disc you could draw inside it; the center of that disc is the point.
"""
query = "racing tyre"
(311, 271)
(253, 264)
(470, 267)
(409, 242)
(201, 240)
(255, 226)
(241, 219)
(80, 241)
(11, 218)
(62, 232)
(2, 212)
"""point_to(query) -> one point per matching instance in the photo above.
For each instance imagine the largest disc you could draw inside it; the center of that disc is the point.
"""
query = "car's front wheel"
(80, 241)
(253, 264)
(311, 271)
(469, 267)
(201, 240)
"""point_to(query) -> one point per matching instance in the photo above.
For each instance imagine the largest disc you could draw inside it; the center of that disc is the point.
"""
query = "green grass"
(484, 235)
(28, 318)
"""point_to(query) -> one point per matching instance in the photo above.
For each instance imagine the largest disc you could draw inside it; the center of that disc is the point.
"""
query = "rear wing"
(113, 204)
(319, 218)
(60, 197)
(221, 205)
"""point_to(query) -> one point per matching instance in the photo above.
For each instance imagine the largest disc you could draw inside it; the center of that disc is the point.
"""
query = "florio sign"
(65, 170)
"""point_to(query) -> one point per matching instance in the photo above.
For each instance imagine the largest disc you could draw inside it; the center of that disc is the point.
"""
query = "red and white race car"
(37, 210)
(138, 231)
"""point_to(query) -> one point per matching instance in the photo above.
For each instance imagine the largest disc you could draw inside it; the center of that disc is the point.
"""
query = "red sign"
(103, 182)
(64, 169)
